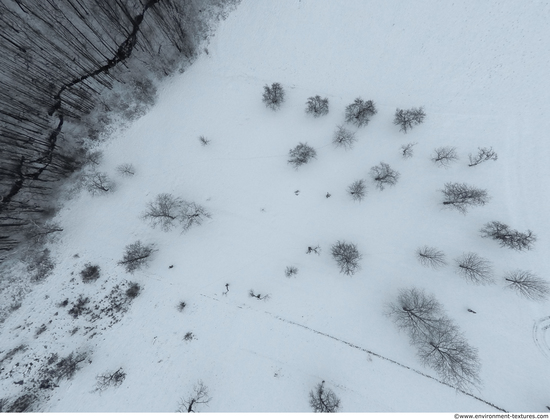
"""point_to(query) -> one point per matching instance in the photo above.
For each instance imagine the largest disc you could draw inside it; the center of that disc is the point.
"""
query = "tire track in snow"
(539, 335)
(371, 353)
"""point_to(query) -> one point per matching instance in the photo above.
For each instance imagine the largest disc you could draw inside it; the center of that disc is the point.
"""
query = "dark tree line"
(57, 60)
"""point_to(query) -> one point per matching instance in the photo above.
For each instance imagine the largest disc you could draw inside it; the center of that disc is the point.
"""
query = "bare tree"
(507, 237)
(273, 96)
(447, 352)
(93, 157)
(291, 271)
(383, 175)
(42, 233)
(343, 137)
(192, 214)
(317, 106)
(359, 112)
(406, 119)
(431, 257)
(301, 155)
(136, 256)
(126, 169)
(259, 296)
(323, 400)
(99, 183)
(164, 211)
(483, 155)
(110, 379)
(416, 313)
(407, 150)
(444, 156)
(461, 196)
(314, 249)
(358, 190)
(199, 396)
(347, 257)
(475, 268)
(204, 141)
(527, 284)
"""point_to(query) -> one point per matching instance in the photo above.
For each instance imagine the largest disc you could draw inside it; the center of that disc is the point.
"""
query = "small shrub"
(291, 271)
(317, 106)
(204, 141)
(188, 336)
(359, 112)
(343, 137)
(444, 156)
(483, 155)
(79, 307)
(407, 150)
(40, 330)
(90, 273)
(347, 257)
(181, 306)
(126, 169)
(133, 290)
(258, 296)
(358, 190)
(301, 155)
(273, 96)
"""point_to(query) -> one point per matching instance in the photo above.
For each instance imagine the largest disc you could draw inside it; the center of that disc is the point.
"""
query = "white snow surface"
(479, 68)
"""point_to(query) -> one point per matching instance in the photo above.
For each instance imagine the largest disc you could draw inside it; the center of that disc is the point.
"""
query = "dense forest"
(65, 67)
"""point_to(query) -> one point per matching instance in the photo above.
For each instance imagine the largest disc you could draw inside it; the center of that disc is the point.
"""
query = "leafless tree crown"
(317, 106)
(483, 155)
(273, 96)
(358, 190)
(166, 211)
(126, 169)
(343, 137)
(383, 175)
(136, 256)
(527, 284)
(323, 400)
(431, 257)
(462, 196)
(508, 237)
(406, 119)
(407, 150)
(301, 155)
(444, 156)
(347, 257)
(99, 183)
(359, 112)
(475, 268)
(199, 396)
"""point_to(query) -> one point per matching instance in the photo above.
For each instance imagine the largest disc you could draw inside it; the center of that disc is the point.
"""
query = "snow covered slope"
(478, 68)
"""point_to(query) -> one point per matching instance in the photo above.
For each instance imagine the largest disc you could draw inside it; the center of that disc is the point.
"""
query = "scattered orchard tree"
(483, 155)
(314, 249)
(347, 257)
(258, 296)
(273, 96)
(416, 313)
(291, 271)
(192, 214)
(406, 119)
(301, 155)
(462, 196)
(359, 112)
(407, 150)
(181, 306)
(449, 354)
(163, 211)
(99, 183)
(358, 190)
(136, 256)
(527, 284)
(383, 175)
(343, 137)
(323, 400)
(126, 169)
(507, 237)
(431, 257)
(444, 156)
(317, 106)
(198, 397)
(133, 290)
(110, 379)
(475, 268)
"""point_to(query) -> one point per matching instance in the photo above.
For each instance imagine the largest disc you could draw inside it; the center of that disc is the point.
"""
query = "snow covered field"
(480, 71)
